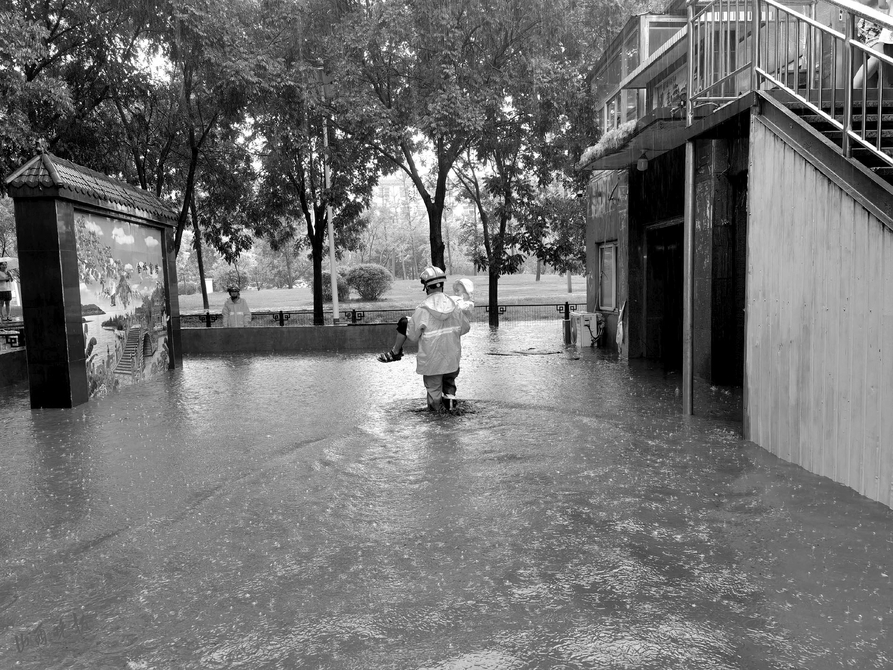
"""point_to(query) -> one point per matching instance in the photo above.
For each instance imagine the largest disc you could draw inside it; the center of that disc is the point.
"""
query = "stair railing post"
(755, 46)
(692, 60)
(846, 145)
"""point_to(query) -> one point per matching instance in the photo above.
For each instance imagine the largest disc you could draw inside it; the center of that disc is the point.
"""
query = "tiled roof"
(49, 171)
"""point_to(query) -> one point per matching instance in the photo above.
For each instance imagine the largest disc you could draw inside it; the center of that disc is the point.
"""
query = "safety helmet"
(432, 276)
(233, 288)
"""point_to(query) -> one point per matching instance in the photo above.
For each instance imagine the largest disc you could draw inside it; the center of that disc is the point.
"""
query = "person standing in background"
(6, 279)
(235, 310)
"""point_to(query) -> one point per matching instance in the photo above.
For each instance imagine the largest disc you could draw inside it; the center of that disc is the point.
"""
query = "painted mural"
(122, 301)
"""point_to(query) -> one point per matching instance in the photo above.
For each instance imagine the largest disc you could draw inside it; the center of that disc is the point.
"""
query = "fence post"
(567, 323)
(353, 316)
(207, 319)
(281, 318)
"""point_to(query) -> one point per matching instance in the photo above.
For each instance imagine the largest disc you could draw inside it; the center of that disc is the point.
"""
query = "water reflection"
(306, 511)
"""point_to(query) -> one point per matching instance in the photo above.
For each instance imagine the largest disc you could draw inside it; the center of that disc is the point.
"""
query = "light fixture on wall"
(642, 163)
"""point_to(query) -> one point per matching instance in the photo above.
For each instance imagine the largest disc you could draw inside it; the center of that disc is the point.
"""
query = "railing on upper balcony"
(814, 63)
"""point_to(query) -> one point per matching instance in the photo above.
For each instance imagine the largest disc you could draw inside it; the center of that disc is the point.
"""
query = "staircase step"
(885, 173)
(839, 98)
(870, 135)
(870, 160)
(871, 119)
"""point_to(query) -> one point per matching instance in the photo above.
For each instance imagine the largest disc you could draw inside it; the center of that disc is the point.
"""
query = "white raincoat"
(236, 314)
(437, 324)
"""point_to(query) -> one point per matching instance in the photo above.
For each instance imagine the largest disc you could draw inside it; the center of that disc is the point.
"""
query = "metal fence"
(296, 318)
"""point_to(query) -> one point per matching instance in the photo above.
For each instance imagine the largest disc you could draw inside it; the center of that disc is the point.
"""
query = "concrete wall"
(369, 337)
(606, 221)
(819, 345)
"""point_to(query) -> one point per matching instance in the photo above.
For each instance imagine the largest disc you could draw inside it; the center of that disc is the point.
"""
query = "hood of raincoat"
(439, 305)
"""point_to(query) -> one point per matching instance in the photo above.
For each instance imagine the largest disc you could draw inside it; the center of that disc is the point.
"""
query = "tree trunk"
(187, 195)
(449, 251)
(435, 219)
(539, 268)
(493, 295)
(197, 243)
(316, 253)
(289, 273)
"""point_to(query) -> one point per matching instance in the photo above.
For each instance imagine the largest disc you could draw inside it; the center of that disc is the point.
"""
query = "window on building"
(607, 276)
(630, 53)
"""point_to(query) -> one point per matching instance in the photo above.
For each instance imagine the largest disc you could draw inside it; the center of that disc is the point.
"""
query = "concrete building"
(740, 219)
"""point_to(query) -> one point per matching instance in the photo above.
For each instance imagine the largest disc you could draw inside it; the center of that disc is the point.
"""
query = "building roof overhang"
(654, 134)
(664, 130)
(47, 175)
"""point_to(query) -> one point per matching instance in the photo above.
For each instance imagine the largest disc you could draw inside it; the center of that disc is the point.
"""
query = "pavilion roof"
(46, 171)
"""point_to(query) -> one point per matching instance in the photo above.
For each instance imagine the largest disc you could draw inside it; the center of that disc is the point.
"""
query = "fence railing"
(737, 46)
(300, 318)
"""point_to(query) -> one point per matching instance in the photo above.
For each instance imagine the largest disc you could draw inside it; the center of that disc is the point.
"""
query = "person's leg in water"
(449, 390)
(395, 353)
(434, 387)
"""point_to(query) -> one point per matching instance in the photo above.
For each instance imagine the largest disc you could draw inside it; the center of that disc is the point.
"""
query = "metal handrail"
(789, 50)
(365, 315)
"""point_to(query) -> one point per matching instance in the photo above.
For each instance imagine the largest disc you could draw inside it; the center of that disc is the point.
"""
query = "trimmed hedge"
(343, 287)
(370, 280)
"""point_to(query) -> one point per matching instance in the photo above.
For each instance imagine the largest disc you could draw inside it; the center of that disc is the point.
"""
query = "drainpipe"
(688, 250)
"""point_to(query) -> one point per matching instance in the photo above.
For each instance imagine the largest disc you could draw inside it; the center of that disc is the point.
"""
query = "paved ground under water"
(304, 512)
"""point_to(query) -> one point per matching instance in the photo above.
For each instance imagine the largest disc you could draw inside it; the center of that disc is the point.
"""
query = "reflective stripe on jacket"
(437, 325)
(236, 314)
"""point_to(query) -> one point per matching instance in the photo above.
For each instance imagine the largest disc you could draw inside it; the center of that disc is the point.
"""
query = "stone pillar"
(54, 336)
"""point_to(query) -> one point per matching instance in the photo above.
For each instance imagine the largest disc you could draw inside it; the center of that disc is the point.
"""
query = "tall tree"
(554, 230)
(289, 127)
(7, 228)
(416, 72)
(529, 106)
(57, 63)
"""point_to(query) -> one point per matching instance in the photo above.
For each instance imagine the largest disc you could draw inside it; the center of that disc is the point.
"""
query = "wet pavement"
(304, 512)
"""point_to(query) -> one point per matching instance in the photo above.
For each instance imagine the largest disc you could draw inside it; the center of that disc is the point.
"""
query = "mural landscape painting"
(122, 298)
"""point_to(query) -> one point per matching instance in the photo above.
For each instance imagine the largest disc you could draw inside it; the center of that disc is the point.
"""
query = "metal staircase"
(868, 120)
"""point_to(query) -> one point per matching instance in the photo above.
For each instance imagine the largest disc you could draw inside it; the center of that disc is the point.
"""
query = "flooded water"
(306, 512)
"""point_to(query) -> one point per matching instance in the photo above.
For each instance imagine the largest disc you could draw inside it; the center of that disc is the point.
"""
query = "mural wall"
(122, 299)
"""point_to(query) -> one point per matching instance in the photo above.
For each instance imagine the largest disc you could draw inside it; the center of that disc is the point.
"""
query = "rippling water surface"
(297, 511)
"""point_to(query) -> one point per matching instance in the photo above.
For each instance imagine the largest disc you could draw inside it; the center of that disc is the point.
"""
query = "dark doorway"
(663, 295)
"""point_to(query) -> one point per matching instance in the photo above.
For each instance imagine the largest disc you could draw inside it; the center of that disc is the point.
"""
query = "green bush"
(343, 287)
(370, 280)
(188, 288)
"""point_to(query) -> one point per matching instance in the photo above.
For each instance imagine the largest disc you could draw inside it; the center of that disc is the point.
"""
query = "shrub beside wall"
(343, 287)
(370, 280)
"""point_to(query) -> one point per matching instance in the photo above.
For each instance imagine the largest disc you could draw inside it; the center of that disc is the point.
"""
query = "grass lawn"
(520, 289)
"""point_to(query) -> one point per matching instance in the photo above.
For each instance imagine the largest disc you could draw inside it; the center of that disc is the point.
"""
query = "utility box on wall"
(97, 263)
